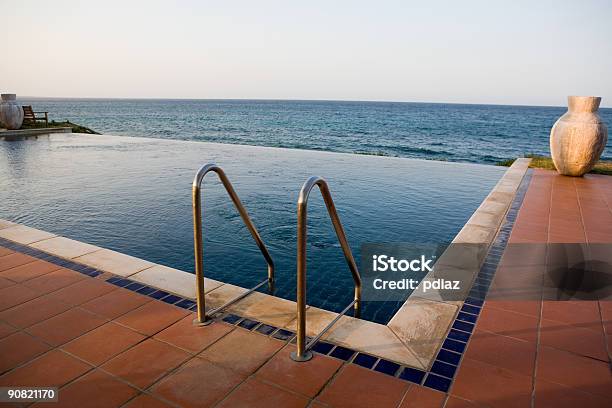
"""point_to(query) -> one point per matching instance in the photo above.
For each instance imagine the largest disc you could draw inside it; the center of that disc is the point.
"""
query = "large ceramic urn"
(11, 114)
(579, 136)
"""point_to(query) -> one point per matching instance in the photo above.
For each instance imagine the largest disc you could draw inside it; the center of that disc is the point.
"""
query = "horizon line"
(292, 100)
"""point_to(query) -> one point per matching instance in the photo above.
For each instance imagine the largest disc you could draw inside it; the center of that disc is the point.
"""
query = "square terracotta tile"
(527, 307)
(501, 351)
(5, 283)
(54, 280)
(518, 284)
(521, 237)
(523, 255)
(33, 311)
(491, 385)
(606, 305)
(115, 303)
(582, 373)
(242, 351)
(566, 223)
(146, 401)
(6, 329)
(103, 343)
(255, 394)
(185, 335)
(599, 236)
(95, 389)
(549, 394)
(64, 327)
(199, 383)
(306, 378)
(5, 251)
(52, 369)
(421, 397)
(532, 223)
(581, 313)
(566, 237)
(152, 317)
(146, 362)
(537, 235)
(508, 323)
(15, 295)
(83, 291)
(14, 259)
(357, 387)
(575, 339)
(19, 348)
(28, 271)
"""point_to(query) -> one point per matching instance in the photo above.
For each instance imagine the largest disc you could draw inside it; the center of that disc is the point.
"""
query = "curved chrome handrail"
(303, 353)
(197, 241)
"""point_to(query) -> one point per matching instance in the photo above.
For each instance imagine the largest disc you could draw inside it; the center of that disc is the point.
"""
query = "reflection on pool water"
(133, 195)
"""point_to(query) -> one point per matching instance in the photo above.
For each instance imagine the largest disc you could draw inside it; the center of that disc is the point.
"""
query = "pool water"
(133, 195)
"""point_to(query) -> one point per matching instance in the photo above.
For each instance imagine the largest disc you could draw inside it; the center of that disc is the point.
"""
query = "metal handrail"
(303, 352)
(202, 316)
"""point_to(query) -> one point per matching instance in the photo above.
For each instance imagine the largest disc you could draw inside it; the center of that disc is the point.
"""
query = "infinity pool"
(133, 195)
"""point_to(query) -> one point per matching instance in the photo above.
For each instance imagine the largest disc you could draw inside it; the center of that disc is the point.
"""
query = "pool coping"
(413, 337)
(33, 132)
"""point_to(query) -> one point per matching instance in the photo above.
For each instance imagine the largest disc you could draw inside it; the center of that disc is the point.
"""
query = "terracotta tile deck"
(528, 348)
(107, 346)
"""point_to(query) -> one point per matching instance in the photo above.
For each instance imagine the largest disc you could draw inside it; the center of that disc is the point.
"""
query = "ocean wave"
(422, 150)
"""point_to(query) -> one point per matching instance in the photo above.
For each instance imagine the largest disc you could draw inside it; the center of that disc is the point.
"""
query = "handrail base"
(307, 356)
(198, 323)
(315, 339)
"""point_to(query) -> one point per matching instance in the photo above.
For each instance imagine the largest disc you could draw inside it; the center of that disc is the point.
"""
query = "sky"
(501, 52)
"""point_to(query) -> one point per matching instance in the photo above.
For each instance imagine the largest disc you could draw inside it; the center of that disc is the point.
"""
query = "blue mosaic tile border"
(24, 249)
(446, 364)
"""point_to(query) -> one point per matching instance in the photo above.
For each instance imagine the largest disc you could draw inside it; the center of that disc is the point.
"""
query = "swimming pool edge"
(424, 321)
(383, 341)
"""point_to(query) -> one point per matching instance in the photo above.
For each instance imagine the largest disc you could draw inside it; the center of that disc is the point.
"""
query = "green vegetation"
(505, 163)
(544, 162)
(52, 124)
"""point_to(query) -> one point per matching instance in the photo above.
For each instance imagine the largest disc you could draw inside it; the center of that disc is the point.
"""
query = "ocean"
(449, 132)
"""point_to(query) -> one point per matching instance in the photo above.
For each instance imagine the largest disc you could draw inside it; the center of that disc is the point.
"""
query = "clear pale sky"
(510, 52)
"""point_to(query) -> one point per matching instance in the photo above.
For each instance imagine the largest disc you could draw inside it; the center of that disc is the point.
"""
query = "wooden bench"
(29, 116)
